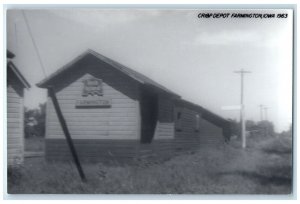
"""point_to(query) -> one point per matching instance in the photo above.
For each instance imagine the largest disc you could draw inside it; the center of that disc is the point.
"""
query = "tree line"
(262, 128)
(35, 121)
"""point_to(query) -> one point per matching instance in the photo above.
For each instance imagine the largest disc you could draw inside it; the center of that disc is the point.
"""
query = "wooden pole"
(242, 113)
(66, 132)
(261, 112)
(266, 112)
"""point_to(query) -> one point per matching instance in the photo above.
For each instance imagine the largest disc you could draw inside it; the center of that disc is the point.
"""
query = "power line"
(34, 44)
(58, 110)
(16, 38)
(242, 112)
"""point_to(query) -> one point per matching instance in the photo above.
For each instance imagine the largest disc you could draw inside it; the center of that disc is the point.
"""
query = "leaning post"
(66, 132)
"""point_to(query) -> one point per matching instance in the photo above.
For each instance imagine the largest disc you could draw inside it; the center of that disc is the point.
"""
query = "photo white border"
(213, 4)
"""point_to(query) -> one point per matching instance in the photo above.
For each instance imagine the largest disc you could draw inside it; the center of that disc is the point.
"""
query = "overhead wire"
(57, 108)
(34, 43)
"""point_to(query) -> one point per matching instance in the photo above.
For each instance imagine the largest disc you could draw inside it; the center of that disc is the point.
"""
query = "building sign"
(93, 103)
(92, 95)
(92, 86)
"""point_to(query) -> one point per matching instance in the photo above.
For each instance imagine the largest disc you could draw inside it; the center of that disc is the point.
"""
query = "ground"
(264, 167)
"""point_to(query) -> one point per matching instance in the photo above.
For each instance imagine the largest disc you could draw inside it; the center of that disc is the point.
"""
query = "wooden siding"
(90, 150)
(164, 131)
(165, 124)
(190, 135)
(15, 124)
(210, 134)
(120, 121)
(115, 132)
(186, 136)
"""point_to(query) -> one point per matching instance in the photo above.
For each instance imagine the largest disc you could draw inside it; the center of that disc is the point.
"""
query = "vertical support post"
(242, 113)
(66, 132)
(266, 112)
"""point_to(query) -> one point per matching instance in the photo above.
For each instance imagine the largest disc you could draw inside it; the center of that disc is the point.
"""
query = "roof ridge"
(18, 73)
(120, 66)
(141, 78)
(203, 108)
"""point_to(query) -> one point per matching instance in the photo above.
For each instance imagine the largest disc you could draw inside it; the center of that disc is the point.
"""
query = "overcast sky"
(194, 57)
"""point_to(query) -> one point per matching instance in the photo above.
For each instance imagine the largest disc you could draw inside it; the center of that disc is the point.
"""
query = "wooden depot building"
(16, 84)
(113, 111)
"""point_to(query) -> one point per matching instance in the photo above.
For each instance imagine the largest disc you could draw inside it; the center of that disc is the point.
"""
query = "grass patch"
(221, 170)
(280, 145)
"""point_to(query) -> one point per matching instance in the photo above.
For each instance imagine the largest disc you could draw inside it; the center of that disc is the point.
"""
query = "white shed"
(16, 84)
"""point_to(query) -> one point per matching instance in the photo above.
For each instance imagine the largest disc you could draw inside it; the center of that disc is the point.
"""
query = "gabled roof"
(205, 112)
(125, 70)
(14, 69)
(209, 116)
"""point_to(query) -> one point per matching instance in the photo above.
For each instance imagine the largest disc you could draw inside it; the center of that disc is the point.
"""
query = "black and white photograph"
(137, 101)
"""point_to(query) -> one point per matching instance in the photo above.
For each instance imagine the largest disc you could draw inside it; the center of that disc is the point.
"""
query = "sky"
(194, 57)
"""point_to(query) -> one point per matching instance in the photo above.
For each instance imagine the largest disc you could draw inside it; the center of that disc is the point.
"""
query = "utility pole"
(261, 112)
(266, 123)
(266, 112)
(242, 112)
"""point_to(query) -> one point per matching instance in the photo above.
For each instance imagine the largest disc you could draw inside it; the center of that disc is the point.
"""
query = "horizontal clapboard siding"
(15, 141)
(92, 150)
(164, 131)
(99, 150)
(120, 121)
(186, 135)
(210, 134)
(93, 123)
(187, 123)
